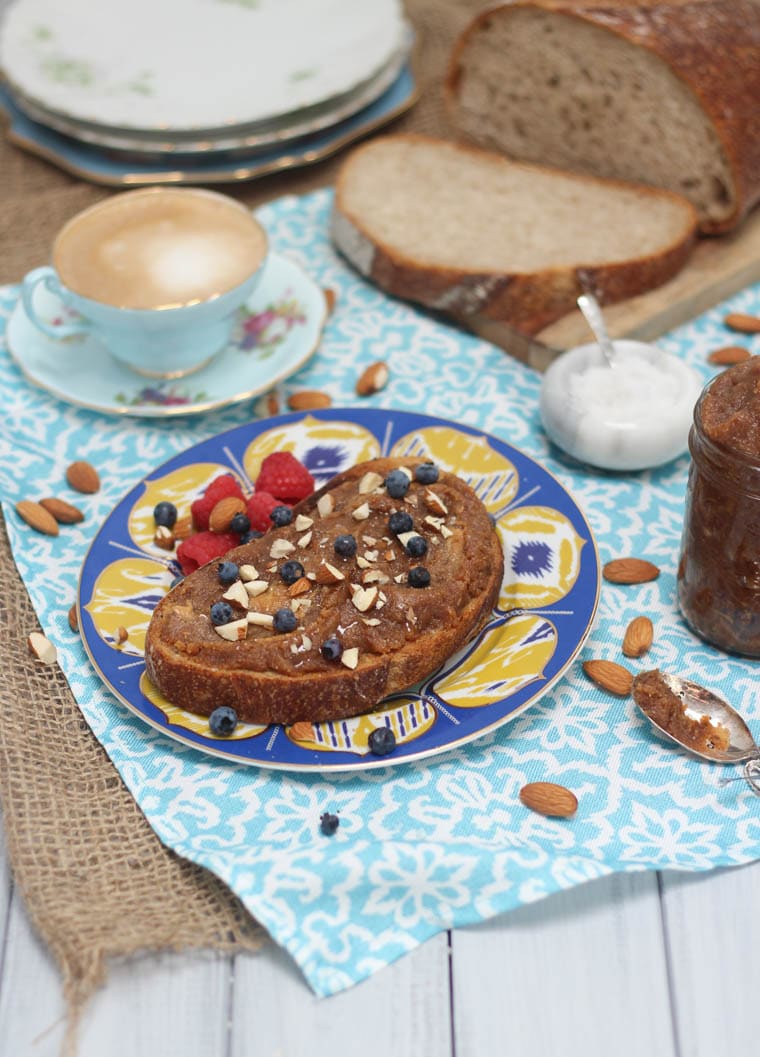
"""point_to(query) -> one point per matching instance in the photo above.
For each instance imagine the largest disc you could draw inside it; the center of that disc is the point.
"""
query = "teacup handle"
(47, 276)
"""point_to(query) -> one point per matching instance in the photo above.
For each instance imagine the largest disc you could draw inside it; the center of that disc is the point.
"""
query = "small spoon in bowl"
(592, 313)
(698, 720)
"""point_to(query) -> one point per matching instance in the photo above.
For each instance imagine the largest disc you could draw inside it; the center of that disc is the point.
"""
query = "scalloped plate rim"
(322, 762)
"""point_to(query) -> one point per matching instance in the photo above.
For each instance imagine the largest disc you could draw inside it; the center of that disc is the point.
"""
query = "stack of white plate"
(171, 87)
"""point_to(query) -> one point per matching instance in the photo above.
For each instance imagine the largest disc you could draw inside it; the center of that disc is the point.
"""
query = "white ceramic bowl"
(632, 416)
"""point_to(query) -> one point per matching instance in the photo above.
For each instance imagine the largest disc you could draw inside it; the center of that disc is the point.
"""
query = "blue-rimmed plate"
(545, 609)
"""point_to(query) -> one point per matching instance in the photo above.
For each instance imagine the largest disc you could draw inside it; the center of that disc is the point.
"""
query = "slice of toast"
(483, 239)
(392, 634)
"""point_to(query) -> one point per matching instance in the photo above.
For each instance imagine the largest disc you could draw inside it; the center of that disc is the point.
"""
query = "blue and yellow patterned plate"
(545, 609)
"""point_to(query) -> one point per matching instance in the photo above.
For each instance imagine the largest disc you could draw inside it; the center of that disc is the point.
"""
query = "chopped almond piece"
(233, 631)
(361, 513)
(237, 593)
(350, 657)
(325, 504)
(256, 587)
(280, 548)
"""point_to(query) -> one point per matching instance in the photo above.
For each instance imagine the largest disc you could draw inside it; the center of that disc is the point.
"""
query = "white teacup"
(157, 275)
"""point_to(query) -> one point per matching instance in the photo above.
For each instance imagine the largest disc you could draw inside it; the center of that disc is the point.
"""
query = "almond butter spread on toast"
(379, 578)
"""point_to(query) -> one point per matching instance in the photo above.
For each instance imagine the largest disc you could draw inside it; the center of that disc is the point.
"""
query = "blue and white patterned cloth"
(441, 842)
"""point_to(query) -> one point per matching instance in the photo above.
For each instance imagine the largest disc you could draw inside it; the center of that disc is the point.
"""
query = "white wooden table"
(635, 965)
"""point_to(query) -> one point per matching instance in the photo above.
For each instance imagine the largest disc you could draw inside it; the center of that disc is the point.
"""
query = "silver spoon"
(697, 702)
(592, 313)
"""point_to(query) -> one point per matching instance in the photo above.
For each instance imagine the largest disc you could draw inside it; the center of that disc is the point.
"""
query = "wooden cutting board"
(717, 268)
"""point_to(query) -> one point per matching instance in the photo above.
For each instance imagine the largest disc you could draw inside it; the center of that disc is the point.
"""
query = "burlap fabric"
(96, 881)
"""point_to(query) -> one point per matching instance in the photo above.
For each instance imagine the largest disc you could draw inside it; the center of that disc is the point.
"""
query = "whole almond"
(121, 635)
(272, 403)
(301, 586)
(73, 619)
(301, 731)
(742, 322)
(64, 513)
(609, 676)
(224, 511)
(309, 400)
(729, 355)
(42, 648)
(183, 528)
(83, 477)
(330, 298)
(373, 379)
(638, 637)
(37, 517)
(546, 798)
(630, 571)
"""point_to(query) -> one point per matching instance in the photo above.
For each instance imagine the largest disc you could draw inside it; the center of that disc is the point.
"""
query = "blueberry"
(416, 546)
(227, 572)
(240, 524)
(285, 620)
(345, 546)
(418, 576)
(291, 571)
(382, 741)
(328, 823)
(251, 534)
(165, 514)
(176, 580)
(223, 721)
(400, 522)
(397, 484)
(221, 613)
(281, 515)
(331, 649)
(426, 473)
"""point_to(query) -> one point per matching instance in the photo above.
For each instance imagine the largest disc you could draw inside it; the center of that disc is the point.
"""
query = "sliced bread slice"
(478, 237)
(663, 92)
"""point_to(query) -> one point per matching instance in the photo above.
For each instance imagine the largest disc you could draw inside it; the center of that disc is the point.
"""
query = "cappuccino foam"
(154, 249)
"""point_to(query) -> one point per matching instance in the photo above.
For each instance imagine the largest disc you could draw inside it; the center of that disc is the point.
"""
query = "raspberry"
(202, 547)
(260, 506)
(220, 488)
(284, 477)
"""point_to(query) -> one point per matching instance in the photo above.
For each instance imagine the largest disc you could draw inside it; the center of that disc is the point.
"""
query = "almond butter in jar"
(719, 570)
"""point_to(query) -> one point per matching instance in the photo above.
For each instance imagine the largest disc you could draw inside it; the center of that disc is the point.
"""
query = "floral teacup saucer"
(277, 331)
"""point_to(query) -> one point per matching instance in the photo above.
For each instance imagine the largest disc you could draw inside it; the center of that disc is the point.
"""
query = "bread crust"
(197, 670)
(711, 46)
(529, 302)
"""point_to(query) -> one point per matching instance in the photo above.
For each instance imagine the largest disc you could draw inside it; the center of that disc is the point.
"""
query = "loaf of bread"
(393, 626)
(665, 92)
(478, 237)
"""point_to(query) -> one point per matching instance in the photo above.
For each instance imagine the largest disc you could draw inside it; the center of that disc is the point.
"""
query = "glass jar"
(719, 569)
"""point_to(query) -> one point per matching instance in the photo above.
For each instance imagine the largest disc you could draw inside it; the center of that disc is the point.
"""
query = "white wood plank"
(6, 888)
(31, 1006)
(168, 1005)
(401, 1011)
(712, 929)
(175, 1005)
(581, 974)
